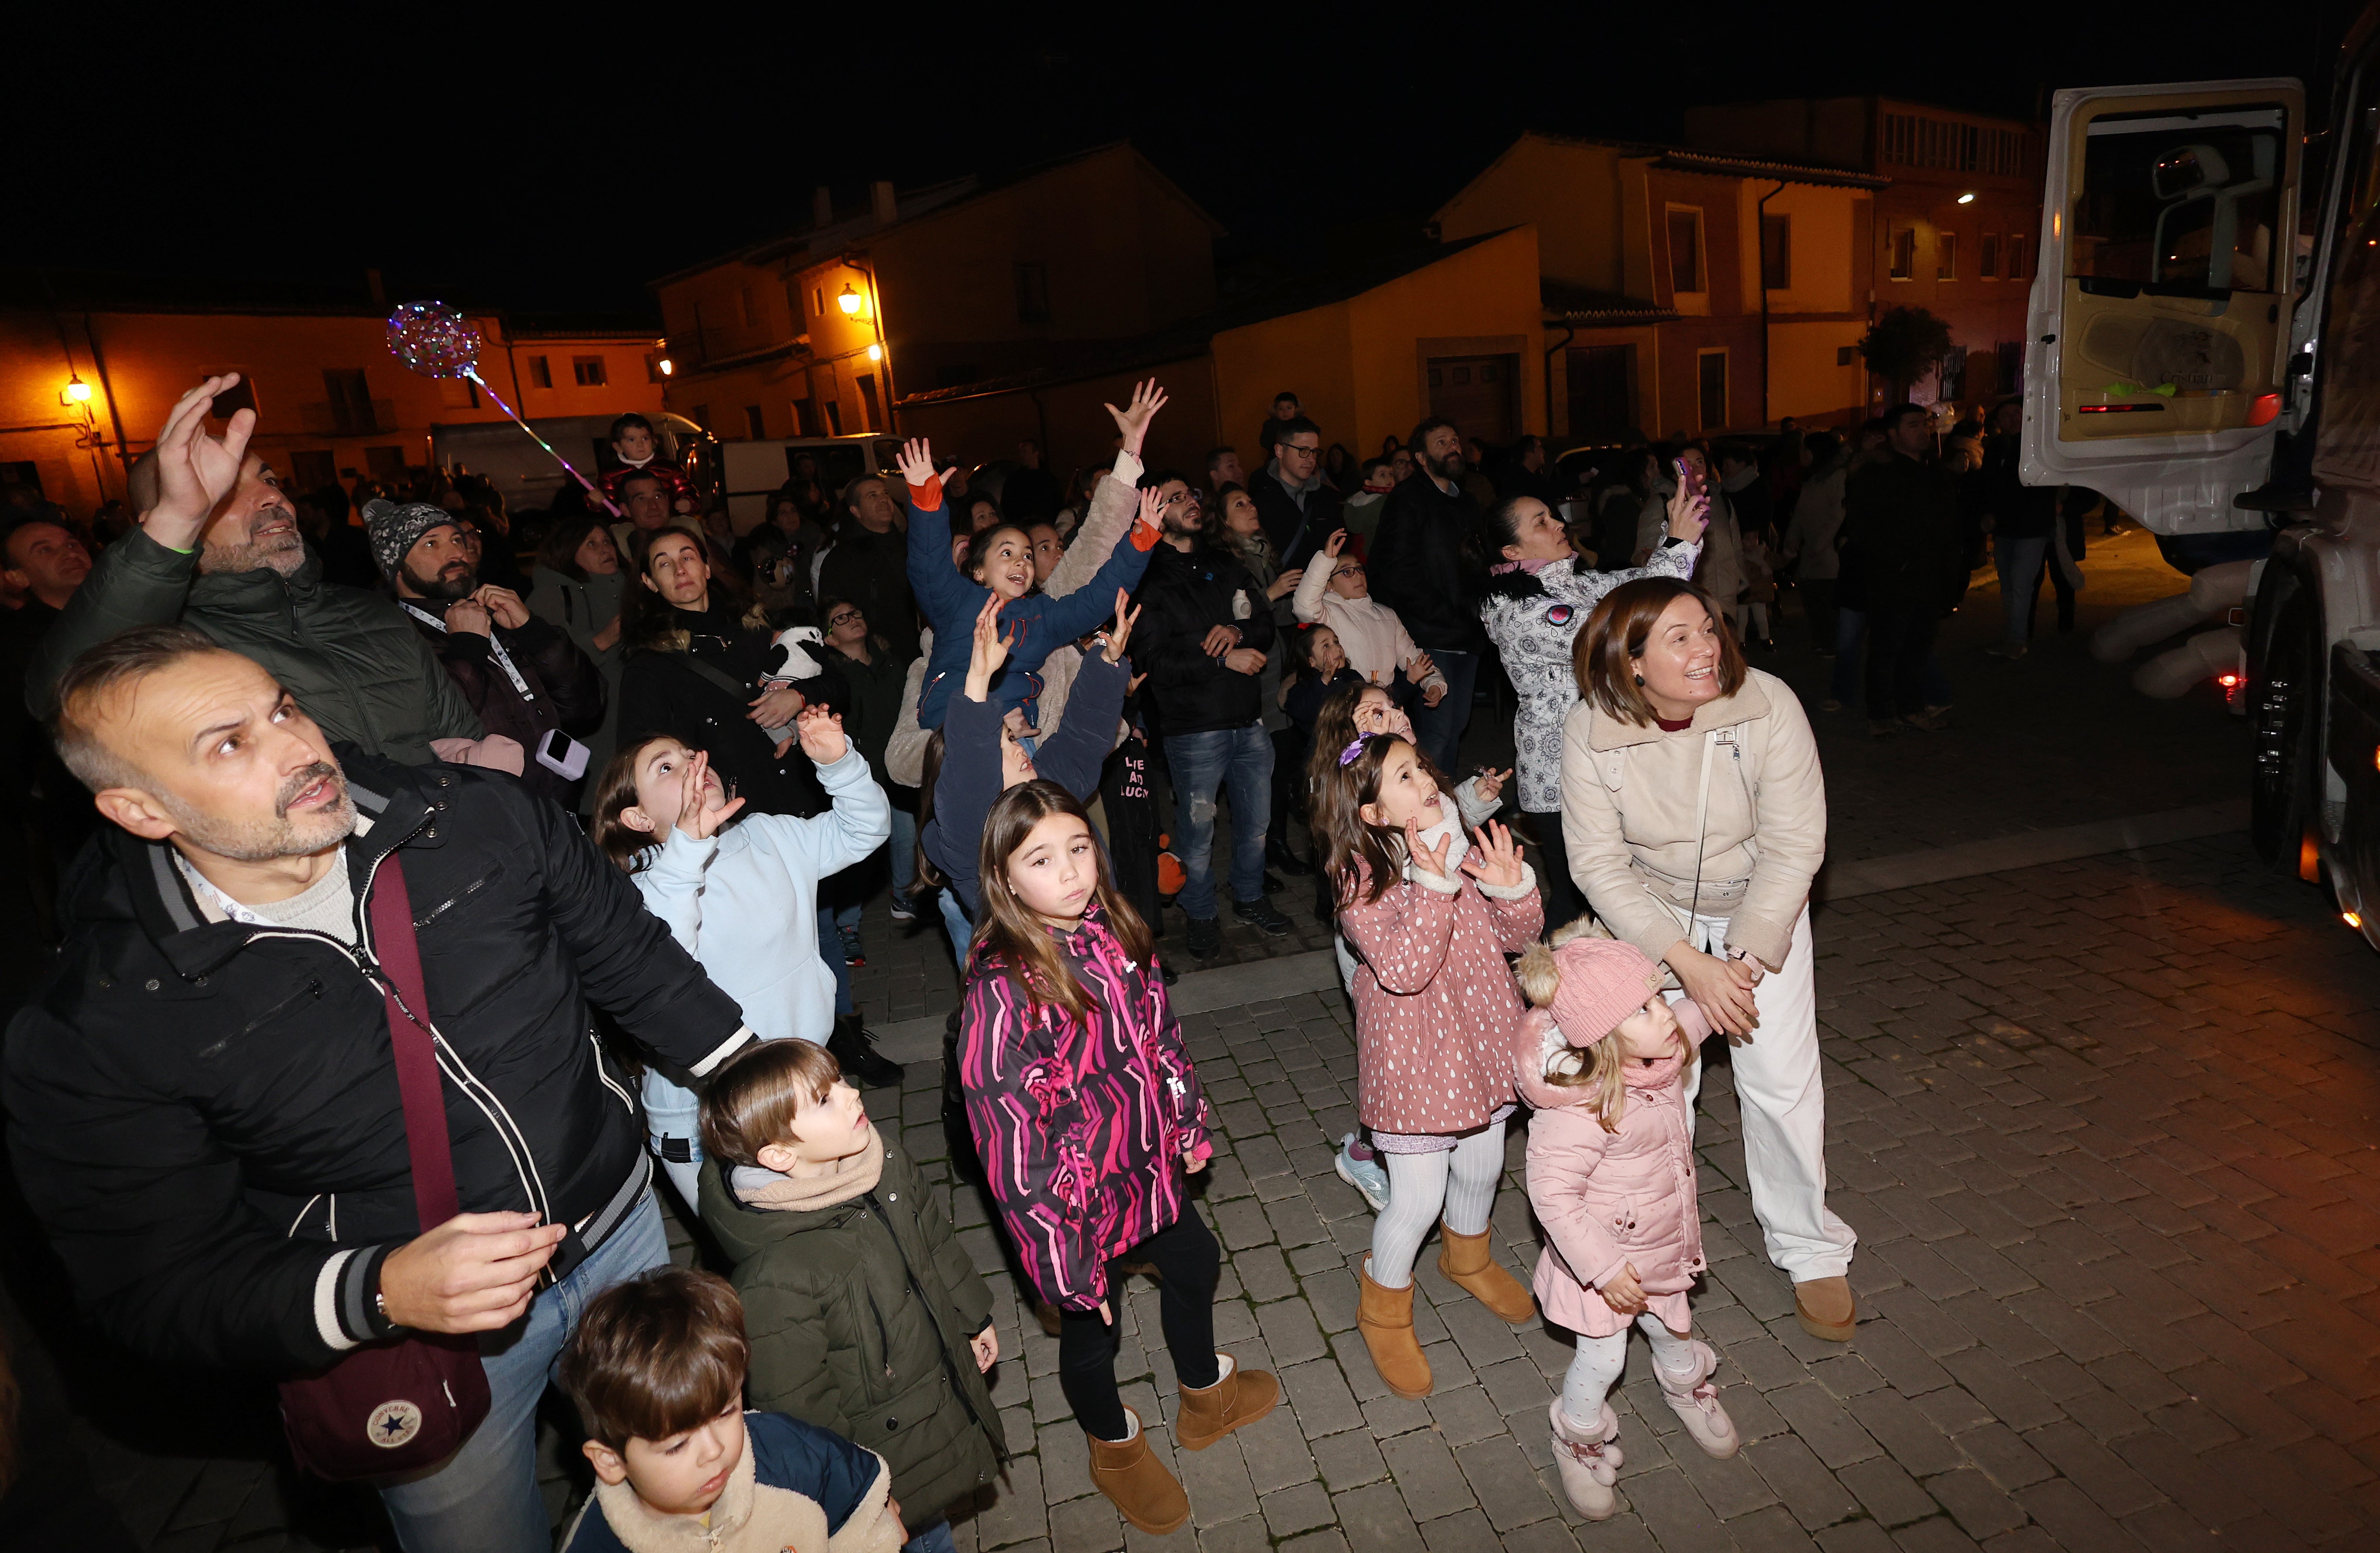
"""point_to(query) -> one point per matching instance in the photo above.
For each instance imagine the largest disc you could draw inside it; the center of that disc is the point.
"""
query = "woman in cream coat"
(1695, 815)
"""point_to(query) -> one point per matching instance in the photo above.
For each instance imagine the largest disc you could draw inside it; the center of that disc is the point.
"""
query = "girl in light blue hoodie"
(740, 897)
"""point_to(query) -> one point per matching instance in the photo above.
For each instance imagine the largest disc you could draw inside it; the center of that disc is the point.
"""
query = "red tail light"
(2263, 409)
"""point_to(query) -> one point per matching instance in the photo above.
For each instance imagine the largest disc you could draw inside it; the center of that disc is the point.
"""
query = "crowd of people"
(606, 796)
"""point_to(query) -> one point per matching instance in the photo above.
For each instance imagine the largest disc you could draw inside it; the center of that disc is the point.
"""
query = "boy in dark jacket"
(657, 1370)
(866, 1315)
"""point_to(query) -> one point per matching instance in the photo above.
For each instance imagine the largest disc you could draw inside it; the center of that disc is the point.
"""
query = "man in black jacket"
(1203, 633)
(201, 1103)
(1296, 506)
(869, 563)
(520, 673)
(1900, 540)
(1419, 568)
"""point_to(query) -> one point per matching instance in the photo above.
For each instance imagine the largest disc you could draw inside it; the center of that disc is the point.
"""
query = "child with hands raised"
(1335, 593)
(1435, 1007)
(1000, 569)
(1087, 1116)
(739, 892)
(1603, 1057)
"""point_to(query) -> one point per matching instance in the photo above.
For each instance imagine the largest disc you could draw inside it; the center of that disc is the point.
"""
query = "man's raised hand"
(195, 469)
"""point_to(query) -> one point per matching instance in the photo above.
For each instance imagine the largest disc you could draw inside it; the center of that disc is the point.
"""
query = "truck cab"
(2206, 352)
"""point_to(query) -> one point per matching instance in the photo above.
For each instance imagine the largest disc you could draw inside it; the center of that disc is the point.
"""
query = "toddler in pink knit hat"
(1602, 1055)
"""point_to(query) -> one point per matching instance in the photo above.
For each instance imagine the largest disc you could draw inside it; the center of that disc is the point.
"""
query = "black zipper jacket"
(205, 1116)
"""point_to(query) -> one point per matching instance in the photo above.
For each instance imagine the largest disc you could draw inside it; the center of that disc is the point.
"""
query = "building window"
(835, 418)
(1846, 355)
(868, 401)
(1901, 252)
(1946, 256)
(701, 415)
(744, 307)
(806, 418)
(1033, 293)
(1685, 248)
(1988, 256)
(540, 372)
(1711, 369)
(753, 426)
(2019, 257)
(312, 471)
(351, 405)
(1777, 253)
(588, 370)
(817, 301)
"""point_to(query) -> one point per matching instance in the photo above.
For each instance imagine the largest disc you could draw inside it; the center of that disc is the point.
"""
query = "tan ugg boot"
(1588, 1462)
(1208, 1413)
(1465, 1261)
(1826, 1310)
(1385, 1318)
(1136, 1483)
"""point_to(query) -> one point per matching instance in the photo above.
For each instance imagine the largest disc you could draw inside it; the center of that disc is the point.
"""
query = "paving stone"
(1506, 1484)
(1680, 1521)
(1980, 1506)
(1888, 1493)
(1275, 1452)
(1092, 1526)
(1216, 1481)
(1814, 1495)
(1375, 1517)
(1349, 1461)
(1426, 1474)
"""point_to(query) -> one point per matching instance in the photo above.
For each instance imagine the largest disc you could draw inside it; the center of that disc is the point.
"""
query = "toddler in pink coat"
(1602, 1056)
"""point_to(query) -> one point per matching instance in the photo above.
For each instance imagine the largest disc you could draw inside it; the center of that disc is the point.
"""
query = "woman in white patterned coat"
(1539, 593)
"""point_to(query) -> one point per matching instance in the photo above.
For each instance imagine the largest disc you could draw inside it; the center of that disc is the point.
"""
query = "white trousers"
(1781, 1100)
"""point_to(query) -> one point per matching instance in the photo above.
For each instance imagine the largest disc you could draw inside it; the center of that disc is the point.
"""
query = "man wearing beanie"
(218, 549)
(525, 678)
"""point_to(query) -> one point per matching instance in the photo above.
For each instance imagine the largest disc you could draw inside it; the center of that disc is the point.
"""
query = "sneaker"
(1206, 938)
(1830, 704)
(1882, 728)
(852, 955)
(904, 909)
(2010, 654)
(852, 1046)
(1363, 1172)
(1260, 915)
(1931, 722)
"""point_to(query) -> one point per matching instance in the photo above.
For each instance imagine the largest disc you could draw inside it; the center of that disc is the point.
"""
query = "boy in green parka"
(865, 1315)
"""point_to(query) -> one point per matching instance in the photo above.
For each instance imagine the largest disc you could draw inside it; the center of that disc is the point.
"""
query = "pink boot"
(1588, 1462)
(1695, 1402)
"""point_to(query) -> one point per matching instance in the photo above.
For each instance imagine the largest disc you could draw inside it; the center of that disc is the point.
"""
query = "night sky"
(557, 167)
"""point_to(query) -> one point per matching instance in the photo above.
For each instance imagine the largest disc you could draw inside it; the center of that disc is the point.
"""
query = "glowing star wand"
(434, 340)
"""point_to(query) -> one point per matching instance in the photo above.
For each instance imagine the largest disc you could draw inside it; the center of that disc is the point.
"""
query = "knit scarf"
(776, 1192)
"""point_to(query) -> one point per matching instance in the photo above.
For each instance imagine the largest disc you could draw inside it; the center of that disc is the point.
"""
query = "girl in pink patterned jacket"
(1603, 1059)
(1429, 923)
(1087, 1114)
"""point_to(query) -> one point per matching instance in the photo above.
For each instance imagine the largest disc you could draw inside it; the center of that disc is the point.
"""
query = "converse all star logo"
(393, 1424)
(1558, 615)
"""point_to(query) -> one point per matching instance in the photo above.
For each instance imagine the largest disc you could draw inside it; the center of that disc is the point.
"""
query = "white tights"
(1600, 1361)
(1458, 1185)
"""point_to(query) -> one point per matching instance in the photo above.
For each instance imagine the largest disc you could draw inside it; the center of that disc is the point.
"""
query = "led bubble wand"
(434, 340)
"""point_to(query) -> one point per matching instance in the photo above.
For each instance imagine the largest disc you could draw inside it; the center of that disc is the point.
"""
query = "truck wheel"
(2287, 692)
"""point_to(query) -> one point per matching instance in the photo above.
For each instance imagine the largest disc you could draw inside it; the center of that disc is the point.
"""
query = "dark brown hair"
(559, 550)
(657, 1356)
(650, 622)
(756, 1094)
(615, 793)
(1617, 632)
(1352, 850)
(1011, 934)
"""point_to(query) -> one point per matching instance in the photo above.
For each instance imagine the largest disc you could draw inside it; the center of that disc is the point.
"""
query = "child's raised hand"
(986, 1347)
(1152, 509)
(822, 734)
(1126, 617)
(917, 461)
(1622, 1292)
(1147, 400)
(697, 821)
(1495, 860)
(1335, 543)
(990, 649)
(1490, 783)
(1427, 860)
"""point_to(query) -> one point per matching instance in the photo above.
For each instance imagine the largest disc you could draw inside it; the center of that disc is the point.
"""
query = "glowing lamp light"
(849, 301)
(667, 366)
(2351, 919)
(876, 353)
(1966, 199)
(75, 392)
(2263, 409)
(2227, 681)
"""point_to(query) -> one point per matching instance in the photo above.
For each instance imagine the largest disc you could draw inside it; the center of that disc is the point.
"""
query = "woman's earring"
(1640, 679)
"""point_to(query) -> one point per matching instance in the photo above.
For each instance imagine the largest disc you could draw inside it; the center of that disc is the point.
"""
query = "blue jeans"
(831, 950)
(485, 1499)
(1234, 761)
(955, 923)
(935, 1538)
(1438, 729)
(2020, 568)
(904, 859)
(1850, 678)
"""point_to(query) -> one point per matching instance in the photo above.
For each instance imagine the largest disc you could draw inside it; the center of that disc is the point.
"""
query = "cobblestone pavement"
(2106, 1129)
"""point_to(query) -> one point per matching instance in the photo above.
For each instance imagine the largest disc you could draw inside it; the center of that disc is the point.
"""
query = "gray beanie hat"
(394, 529)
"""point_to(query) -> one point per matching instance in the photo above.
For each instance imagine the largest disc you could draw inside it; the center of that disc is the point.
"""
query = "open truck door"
(2160, 316)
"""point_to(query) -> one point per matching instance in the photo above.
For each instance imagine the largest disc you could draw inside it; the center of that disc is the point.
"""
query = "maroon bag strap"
(434, 1199)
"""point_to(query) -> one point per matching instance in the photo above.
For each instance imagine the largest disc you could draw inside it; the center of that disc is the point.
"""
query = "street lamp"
(667, 366)
(1966, 199)
(849, 301)
(875, 353)
(75, 392)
